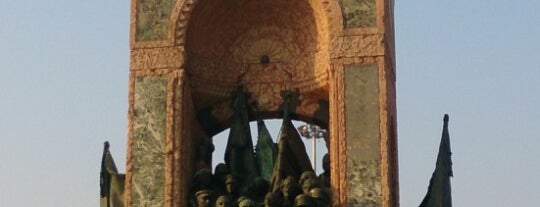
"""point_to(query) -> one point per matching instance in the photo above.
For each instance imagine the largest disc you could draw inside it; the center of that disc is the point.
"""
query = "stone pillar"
(156, 110)
(156, 117)
(362, 107)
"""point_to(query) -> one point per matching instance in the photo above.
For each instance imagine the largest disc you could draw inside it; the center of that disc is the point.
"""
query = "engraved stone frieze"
(358, 46)
(156, 58)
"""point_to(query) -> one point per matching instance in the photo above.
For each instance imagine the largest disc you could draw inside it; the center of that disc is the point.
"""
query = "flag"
(439, 193)
(111, 182)
(239, 155)
(292, 159)
(265, 151)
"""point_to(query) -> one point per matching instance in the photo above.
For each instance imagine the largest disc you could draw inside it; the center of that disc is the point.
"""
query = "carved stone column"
(362, 107)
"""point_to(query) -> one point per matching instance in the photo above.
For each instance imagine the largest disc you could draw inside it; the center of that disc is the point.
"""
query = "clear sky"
(63, 91)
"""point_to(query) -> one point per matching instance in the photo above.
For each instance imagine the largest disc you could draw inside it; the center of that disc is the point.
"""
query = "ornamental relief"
(254, 43)
(266, 98)
(156, 58)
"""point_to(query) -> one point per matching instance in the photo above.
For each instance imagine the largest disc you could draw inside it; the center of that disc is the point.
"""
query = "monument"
(335, 58)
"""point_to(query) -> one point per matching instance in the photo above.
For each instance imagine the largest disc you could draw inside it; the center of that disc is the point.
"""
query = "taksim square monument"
(198, 67)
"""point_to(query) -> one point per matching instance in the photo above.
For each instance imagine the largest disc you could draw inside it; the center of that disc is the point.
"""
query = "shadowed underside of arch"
(226, 42)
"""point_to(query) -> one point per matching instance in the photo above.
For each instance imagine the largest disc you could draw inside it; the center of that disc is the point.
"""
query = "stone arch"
(327, 12)
(223, 42)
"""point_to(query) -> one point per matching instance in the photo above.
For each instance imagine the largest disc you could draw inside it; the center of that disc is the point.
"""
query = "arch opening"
(266, 46)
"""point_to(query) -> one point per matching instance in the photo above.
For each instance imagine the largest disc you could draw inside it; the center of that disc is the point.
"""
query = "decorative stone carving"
(357, 46)
(284, 32)
(157, 58)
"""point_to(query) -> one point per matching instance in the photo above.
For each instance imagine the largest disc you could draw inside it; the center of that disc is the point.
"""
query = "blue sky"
(63, 91)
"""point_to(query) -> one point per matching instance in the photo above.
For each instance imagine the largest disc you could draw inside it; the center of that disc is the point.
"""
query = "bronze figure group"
(274, 175)
(221, 189)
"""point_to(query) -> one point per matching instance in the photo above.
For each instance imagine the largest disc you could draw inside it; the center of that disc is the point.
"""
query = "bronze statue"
(273, 199)
(204, 151)
(307, 185)
(265, 152)
(308, 176)
(246, 202)
(219, 178)
(204, 198)
(239, 154)
(304, 200)
(292, 158)
(224, 201)
(324, 177)
(289, 190)
(257, 190)
(321, 197)
(202, 180)
(231, 185)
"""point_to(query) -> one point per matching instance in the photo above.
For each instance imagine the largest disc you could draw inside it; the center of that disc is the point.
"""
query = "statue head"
(272, 200)
(224, 201)
(321, 196)
(307, 175)
(220, 172)
(204, 198)
(288, 185)
(326, 162)
(221, 169)
(307, 185)
(231, 183)
(202, 179)
(259, 187)
(245, 202)
(303, 200)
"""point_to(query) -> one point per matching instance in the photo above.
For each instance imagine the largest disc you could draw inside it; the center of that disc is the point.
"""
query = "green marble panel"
(362, 135)
(148, 150)
(358, 13)
(153, 19)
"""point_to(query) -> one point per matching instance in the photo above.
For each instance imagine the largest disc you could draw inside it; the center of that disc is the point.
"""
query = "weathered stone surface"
(362, 135)
(358, 13)
(149, 142)
(156, 58)
(153, 19)
(364, 183)
(358, 46)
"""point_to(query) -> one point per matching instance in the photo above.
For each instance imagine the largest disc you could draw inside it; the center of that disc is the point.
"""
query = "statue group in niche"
(221, 189)
(274, 175)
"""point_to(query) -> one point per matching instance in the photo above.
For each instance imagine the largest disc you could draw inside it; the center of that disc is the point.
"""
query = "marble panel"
(148, 150)
(362, 135)
(358, 13)
(153, 19)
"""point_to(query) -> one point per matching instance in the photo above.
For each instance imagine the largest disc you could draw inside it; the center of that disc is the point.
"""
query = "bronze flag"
(239, 155)
(265, 151)
(439, 193)
(292, 158)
